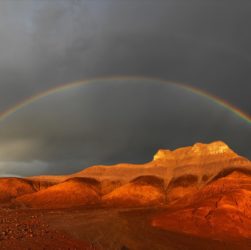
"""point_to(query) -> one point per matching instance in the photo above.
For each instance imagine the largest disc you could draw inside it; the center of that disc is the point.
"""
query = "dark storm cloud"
(204, 43)
(45, 43)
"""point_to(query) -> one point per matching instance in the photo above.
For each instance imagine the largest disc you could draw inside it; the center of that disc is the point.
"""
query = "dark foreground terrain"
(90, 228)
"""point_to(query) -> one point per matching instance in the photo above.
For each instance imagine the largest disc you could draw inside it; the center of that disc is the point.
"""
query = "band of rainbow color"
(63, 87)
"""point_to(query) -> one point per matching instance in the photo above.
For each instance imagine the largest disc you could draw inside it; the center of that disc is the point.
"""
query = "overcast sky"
(204, 43)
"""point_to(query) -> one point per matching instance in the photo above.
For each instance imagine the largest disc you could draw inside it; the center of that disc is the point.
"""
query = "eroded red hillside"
(142, 191)
(14, 187)
(70, 193)
(221, 209)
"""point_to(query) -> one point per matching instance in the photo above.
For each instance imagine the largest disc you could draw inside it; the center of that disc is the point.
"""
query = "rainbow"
(63, 87)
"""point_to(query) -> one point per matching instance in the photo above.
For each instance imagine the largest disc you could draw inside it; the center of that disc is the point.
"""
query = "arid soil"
(100, 228)
(25, 229)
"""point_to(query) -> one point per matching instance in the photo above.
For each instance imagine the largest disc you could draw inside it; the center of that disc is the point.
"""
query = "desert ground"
(97, 228)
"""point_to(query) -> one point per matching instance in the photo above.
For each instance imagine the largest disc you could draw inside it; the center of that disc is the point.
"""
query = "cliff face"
(195, 154)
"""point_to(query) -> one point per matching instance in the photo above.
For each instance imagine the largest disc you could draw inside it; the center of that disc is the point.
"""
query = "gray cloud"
(113, 121)
(204, 43)
(46, 43)
(20, 169)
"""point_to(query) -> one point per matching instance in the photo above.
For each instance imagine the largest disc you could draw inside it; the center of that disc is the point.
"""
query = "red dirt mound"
(71, 193)
(14, 187)
(142, 191)
(182, 186)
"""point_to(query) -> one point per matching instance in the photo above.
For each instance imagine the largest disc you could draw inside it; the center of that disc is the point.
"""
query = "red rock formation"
(142, 191)
(14, 187)
(70, 193)
(202, 160)
(220, 210)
